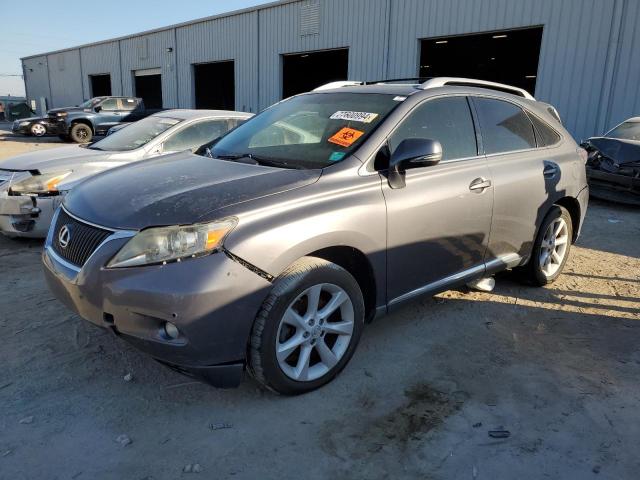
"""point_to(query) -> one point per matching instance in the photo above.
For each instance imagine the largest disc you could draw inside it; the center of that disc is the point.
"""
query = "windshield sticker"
(399, 99)
(362, 117)
(346, 137)
(336, 156)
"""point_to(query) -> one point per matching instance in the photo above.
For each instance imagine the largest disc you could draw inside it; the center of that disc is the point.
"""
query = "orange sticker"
(346, 137)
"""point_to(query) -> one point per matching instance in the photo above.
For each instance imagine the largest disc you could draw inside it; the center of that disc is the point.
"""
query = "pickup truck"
(81, 123)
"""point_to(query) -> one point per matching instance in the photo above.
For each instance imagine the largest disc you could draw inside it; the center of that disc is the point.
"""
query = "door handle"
(479, 185)
(550, 169)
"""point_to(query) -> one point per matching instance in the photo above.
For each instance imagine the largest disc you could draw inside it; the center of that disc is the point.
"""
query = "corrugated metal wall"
(572, 58)
(588, 62)
(100, 59)
(360, 25)
(150, 51)
(229, 38)
(36, 80)
(625, 91)
(65, 78)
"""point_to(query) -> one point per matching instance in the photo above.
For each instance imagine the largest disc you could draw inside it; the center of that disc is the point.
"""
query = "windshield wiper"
(258, 160)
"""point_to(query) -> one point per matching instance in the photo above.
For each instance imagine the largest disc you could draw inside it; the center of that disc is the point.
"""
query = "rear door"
(521, 184)
(438, 224)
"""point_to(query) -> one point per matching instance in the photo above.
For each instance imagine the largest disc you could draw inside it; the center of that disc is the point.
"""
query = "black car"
(613, 165)
(34, 126)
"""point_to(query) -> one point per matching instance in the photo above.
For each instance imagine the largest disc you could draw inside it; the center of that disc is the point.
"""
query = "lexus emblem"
(64, 236)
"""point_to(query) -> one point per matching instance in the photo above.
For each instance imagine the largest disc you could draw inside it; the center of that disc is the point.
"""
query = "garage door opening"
(509, 56)
(100, 85)
(305, 71)
(215, 85)
(148, 86)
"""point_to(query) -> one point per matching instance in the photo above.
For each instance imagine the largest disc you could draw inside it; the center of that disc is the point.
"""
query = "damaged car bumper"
(614, 187)
(210, 301)
(27, 215)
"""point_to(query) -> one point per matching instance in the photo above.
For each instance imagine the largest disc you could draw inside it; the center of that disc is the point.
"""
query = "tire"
(273, 330)
(64, 138)
(81, 133)
(537, 272)
(38, 130)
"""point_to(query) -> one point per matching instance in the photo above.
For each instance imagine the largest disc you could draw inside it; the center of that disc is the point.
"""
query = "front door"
(108, 116)
(438, 224)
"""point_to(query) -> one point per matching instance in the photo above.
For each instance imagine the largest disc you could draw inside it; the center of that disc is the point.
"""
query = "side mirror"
(412, 153)
(98, 109)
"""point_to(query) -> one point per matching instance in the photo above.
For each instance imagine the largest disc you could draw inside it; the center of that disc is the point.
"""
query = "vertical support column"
(611, 66)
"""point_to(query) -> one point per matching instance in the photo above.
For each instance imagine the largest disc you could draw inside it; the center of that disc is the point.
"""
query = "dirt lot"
(556, 367)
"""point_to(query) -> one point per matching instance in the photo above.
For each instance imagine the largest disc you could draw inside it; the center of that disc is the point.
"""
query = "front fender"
(345, 212)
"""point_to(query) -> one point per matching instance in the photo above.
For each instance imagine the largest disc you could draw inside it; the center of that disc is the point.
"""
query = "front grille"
(83, 239)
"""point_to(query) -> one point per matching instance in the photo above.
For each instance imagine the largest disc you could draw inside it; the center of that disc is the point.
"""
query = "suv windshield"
(308, 131)
(135, 135)
(626, 131)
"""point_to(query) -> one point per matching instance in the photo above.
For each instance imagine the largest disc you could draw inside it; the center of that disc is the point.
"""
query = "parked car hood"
(53, 111)
(177, 189)
(619, 150)
(51, 160)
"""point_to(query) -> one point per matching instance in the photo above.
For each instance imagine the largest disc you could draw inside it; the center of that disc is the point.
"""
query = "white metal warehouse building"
(583, 56)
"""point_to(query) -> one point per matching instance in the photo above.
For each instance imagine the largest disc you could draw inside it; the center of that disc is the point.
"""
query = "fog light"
(171, 330)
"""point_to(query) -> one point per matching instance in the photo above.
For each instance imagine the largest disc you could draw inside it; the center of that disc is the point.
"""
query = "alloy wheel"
(315, 332)
(554, 247)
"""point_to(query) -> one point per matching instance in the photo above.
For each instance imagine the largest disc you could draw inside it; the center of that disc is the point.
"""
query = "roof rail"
(340, 84)
(470, 82)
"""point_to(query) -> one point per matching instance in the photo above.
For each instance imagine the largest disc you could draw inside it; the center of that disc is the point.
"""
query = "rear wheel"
(38, 130)
(308, 327)
(551, 248)
(81, 133)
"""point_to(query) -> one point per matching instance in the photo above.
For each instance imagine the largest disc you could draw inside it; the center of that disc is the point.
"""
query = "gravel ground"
(556, 367)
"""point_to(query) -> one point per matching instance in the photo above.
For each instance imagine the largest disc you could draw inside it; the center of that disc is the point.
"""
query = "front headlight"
(61, 114)
(164, 244)
(47, 183)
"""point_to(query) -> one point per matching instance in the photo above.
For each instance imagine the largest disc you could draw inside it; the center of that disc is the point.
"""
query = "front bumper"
(213, 301)
(27, 216)
(614, 187)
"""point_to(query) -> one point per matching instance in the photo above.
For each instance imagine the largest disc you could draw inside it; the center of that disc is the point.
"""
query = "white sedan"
(32, 185)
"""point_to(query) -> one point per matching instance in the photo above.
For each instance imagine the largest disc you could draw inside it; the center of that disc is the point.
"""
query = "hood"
(177, 189)
(52, 160)
(53, 111)
(619, 150)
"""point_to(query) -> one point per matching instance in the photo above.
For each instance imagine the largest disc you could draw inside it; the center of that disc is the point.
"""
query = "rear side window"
(505, 127)
(447, 120)
(545, 135)
(196, 135)
(128, 103)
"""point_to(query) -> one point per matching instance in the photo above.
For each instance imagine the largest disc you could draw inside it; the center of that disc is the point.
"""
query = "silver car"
(32, 185)
(272, 250)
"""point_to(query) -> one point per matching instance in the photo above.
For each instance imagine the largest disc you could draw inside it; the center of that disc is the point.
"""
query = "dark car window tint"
(447, 120)
(196, 135)
(110, 104)
(505, 127)
(545, 135)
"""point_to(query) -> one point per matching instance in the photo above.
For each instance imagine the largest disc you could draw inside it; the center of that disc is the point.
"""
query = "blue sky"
(43, 25)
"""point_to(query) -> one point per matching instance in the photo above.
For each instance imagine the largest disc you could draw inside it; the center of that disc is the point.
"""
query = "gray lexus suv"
(272, 247)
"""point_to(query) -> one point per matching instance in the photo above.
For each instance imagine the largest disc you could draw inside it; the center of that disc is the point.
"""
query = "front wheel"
(551, 248)
(308, 327)
(38, 130)
(81, 133)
